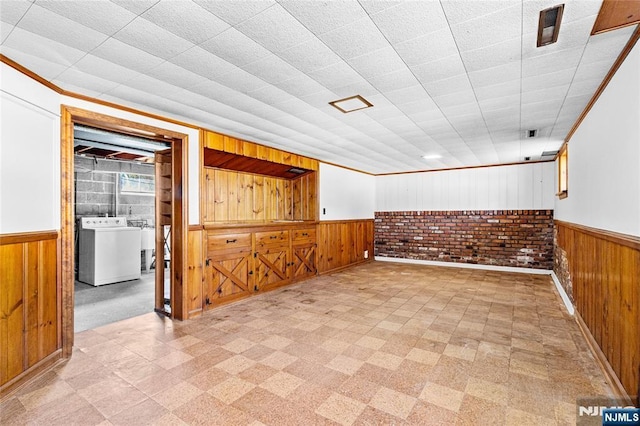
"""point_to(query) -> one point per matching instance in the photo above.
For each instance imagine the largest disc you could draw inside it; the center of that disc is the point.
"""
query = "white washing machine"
(108, 251)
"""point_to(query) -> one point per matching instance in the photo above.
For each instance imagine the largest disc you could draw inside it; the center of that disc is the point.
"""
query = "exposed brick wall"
(520, 238)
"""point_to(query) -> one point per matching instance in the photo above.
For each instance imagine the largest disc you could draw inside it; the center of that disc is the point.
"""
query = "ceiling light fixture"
(350, 104)
(431, 156)
(549, 25)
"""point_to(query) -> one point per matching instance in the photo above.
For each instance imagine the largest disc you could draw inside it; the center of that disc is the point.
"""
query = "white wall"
(193, 146)
(516, 187)
(29, 154)
(345, 194)
(604, 158)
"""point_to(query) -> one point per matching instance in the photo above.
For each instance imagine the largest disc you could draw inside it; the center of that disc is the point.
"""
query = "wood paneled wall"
(604, 269)
(195, 278)
(231, 196)
(342, 243)
(29, 301)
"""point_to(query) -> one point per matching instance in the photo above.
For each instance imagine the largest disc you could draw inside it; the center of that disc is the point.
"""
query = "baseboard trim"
(563, 295)
(27, 376)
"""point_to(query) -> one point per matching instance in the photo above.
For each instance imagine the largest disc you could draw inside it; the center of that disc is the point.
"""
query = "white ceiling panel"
(463, 78)
(185, 19)
(408, 20)
(12, 11)
(101, 15)
(358, 38)
(5, 30)
(57, 28)
(234, 12)
(235, 48)
(152, 39)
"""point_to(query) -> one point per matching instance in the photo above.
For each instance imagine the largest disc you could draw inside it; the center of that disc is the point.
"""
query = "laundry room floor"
(105, 304)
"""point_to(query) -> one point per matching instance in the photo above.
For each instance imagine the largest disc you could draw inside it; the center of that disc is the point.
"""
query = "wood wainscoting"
(604, 269)
(29, 305)
(342, 243)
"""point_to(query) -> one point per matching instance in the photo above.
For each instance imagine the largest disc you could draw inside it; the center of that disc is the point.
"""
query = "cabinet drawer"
(306, 235)
(271, 237)
(224, 242)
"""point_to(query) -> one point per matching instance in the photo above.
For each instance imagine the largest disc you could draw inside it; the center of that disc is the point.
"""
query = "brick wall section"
(519, 238)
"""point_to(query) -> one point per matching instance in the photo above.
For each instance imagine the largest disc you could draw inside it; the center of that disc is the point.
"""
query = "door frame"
(179, 145)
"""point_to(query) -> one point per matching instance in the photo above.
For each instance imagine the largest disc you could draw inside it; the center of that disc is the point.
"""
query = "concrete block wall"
(517, 238)
(96, 190)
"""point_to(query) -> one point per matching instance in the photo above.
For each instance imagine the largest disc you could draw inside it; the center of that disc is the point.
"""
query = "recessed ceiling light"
(549, 153)
(549, 25)
(350, 104)
(431, 156)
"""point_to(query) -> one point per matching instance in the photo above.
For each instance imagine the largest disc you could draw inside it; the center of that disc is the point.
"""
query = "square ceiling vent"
(351, 104)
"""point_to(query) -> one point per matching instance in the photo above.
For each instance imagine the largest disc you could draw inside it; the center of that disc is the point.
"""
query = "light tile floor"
(380, 343)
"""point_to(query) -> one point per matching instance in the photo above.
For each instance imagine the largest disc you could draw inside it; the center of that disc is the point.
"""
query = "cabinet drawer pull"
(231, 241)
(304, 234)
(273, 237)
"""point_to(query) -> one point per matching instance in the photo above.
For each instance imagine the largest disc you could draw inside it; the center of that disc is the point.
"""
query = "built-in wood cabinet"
(259, 212)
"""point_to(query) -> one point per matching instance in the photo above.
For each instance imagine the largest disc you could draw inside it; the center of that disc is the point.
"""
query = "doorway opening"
(115, 220)
(161, 167)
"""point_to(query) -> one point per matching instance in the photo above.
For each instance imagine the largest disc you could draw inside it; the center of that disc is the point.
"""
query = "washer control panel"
(103, 222)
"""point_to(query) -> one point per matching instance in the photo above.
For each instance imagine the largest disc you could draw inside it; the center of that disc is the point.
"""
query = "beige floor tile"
(282, 384)
(231, 389)
(345, 364)
(236, 364)
(423, 357)
(276, 342)
(385, 360)
(370, 342)
(392, 402)
(176, 395)
(239, 345)
(442, 396)
(173, 360)
(279, 360)
(490, 391)
(341, 409)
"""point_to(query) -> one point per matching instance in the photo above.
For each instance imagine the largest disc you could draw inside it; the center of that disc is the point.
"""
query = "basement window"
(563, 172)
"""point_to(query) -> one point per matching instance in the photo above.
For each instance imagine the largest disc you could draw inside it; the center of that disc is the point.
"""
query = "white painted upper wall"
(193, 149)
(515, 187)
(29, 154)
(345, 194)
(604, 158)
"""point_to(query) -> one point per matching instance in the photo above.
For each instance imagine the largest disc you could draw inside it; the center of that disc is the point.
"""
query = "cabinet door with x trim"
(272, 259)
(229, 268)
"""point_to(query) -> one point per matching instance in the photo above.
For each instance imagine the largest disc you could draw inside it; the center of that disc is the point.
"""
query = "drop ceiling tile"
(458, 83)
(409, 20)
(551, 93)
(495, 55)
(275, 29)
(186, 20)
(204, 63)
(240, 81)
(324, 16)
(5, 30)
(12, 11)
(272, 69)
(337, 75)
(234, 12)
(301, 85)
(45, 68)
(269, 94)
(591, 70)
(495, 75)
(458, 11)
(552, 79)
(497, 91)
(107, 70)
(176, 75)
(235, 48)
(606, 46)
(152, 39)
(454, 99)
(380, 62)
(136, 6)
(393, 81)
(362, 88)
(101, 15)
(42, 47)
(564, 59)
(310, 55)
(355, 39)
(127, 56)
(57, 28)
(489, 29)
(406, 95)
(500, 103)
(144, 83)
(437, 70)
(83, 80)
(427, 48)
(572, 36)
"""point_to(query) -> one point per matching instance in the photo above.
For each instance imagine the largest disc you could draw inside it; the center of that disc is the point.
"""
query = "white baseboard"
(563, 294)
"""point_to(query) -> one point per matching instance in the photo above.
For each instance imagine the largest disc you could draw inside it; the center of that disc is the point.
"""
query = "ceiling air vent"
(350, 104)
(532, 133)
(297, 170)
(549, 25)
(549, 153)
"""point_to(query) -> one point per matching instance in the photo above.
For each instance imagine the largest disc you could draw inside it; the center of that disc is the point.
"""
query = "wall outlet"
(366, 254)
